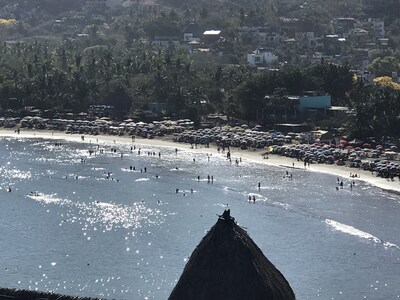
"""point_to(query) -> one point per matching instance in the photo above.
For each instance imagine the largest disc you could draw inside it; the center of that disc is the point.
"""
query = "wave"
(49, 199)
(142, 179)
(359, 233)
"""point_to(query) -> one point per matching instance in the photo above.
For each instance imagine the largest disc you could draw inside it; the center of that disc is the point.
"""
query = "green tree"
(384, 66)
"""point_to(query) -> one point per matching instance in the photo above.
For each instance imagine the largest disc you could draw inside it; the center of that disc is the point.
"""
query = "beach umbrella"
(227, 264)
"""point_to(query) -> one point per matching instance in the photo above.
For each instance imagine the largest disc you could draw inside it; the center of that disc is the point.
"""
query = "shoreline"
(250, 155)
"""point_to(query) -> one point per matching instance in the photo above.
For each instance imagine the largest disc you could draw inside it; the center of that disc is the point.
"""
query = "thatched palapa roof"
(14, 294)
(227, 264)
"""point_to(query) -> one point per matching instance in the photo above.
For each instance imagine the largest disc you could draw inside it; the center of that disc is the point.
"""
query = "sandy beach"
(253, 155)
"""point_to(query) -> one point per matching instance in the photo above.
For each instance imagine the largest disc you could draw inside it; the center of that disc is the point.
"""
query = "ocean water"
(87, 225)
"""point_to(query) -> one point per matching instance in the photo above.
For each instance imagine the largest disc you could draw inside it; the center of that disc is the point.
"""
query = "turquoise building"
(314, 102)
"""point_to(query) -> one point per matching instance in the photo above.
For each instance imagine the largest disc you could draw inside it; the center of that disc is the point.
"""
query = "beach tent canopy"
(227, 264)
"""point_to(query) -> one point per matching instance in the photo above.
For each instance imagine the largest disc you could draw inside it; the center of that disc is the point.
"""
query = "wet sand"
(252, 155)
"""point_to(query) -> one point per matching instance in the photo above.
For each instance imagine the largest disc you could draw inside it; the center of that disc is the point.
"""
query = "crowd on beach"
(378, 159)
(381, 160)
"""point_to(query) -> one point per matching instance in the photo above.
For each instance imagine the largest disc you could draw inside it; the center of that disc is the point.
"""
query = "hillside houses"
(261, 57)
(350, 39)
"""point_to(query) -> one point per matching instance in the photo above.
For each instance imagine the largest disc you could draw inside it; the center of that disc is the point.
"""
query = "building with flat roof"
(211, 36)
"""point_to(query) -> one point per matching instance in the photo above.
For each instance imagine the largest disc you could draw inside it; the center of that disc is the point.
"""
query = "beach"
(252, 155)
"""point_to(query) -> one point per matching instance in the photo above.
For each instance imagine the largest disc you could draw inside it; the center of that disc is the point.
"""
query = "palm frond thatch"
(227, 264)
(15, 294)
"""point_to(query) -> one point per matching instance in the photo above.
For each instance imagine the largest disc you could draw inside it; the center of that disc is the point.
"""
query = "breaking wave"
(359, 233)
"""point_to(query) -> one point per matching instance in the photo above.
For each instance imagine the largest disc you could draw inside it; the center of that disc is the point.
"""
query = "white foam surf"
(359, 233)
(142, 179)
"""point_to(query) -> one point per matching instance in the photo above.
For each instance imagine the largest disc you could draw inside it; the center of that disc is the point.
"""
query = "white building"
(261, 57)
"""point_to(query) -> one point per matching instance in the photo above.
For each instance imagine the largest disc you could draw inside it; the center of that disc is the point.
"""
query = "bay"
(88, 225)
